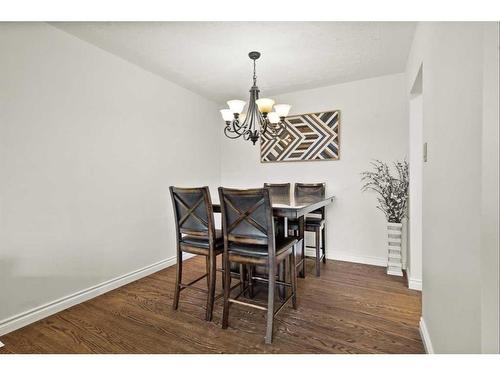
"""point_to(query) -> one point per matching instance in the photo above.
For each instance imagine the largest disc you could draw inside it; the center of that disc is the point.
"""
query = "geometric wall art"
(310, 136)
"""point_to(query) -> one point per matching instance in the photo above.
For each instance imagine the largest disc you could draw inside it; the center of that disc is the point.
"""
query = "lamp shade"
(273, 117)
(265, 105)
(282, 109)
(236, 106)
(227, 115)
(243, 116)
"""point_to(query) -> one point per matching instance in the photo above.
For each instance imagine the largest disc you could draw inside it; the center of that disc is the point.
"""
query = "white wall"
(452, 57)
(89, 144)
(374, 124)
(490, 282)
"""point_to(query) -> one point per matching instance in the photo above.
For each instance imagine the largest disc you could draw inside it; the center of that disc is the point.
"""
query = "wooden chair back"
(280, 193)
(247, 217)
(309, 193)
(193, 212)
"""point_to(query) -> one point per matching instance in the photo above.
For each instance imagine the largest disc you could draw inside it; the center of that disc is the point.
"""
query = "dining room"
(279, 192)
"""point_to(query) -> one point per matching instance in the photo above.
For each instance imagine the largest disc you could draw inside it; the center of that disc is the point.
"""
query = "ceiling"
(211, 58)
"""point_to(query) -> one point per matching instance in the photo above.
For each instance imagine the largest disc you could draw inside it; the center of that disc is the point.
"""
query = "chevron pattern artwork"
(310, 136)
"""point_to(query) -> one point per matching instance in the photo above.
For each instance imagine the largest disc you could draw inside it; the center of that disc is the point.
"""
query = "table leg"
(281, 266)
(302, 272)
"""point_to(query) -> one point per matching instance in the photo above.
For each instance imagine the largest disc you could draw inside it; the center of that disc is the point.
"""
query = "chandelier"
(259, 119)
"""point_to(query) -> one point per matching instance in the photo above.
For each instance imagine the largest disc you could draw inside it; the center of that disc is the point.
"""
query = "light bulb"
(265, 105)
(227, 115)
(236, 106)
(273, 117)
(282, 109)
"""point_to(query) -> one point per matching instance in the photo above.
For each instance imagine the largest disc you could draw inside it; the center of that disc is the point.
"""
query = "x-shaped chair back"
(247, 216)
(193, 211)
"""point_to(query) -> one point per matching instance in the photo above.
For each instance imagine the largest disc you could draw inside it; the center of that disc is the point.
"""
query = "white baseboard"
(43, 311)
(413, 283)
(426, 338)
(364, 259)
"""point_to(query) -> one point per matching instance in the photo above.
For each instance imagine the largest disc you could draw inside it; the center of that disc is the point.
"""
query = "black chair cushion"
(314, 222)
(311, 224)
(203, 241)
(260, 251)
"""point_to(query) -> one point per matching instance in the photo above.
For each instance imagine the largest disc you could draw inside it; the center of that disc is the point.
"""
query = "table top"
(294, 209)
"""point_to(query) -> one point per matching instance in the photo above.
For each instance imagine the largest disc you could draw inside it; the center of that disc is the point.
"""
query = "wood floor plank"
(351, 308)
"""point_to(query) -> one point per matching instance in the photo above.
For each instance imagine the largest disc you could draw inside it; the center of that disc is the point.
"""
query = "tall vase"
(394, 253)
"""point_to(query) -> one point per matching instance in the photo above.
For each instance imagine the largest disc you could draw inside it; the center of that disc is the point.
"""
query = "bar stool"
(249, 239)
(196, 234)
(307, 193)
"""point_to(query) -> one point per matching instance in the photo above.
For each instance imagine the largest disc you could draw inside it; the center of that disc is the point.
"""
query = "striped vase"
(394, 254)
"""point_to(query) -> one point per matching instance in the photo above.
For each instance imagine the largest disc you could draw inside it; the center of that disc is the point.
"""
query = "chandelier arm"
(276, 129)
(272, 132)
(234, 130)
(231, 132)
(227, 133)
(247, 135)
(236, 127)
(265, 126)
(280, 126)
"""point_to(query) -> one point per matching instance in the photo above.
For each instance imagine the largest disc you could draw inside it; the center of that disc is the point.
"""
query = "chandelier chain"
(254, 74)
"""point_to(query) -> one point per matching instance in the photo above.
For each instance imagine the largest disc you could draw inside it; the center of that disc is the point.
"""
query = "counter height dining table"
(294, 209)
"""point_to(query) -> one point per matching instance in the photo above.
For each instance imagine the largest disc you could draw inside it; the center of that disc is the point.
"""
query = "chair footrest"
(313, 247)
(283, 304)
(185, 286)
(276, 281)
(190, 284)
(248, 304)
(314, 258)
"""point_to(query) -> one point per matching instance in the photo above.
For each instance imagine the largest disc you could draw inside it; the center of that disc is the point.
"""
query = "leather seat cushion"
(260, 251)
(311, 223)
(203, 241)
(314, 222)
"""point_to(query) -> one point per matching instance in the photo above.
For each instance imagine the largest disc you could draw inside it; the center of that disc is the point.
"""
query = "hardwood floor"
(351, 308)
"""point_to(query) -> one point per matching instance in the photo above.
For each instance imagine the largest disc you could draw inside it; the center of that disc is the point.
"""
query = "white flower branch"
(393, 191)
